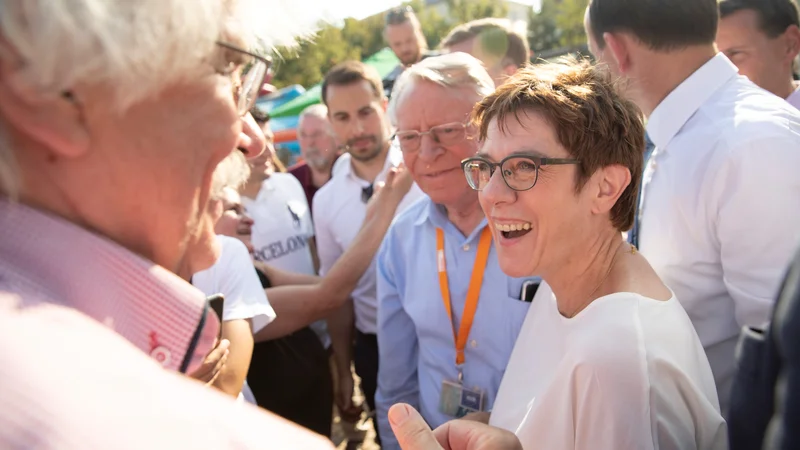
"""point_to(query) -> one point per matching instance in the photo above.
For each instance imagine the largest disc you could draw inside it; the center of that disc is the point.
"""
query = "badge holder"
(458, 401)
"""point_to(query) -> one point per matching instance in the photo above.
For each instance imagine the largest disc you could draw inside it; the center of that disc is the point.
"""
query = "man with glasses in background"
(403, 33)
(448, 316)
(357, 111)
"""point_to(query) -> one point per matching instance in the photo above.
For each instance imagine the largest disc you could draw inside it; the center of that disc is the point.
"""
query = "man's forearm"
(279, 277)
(341, 329)
(233, 374)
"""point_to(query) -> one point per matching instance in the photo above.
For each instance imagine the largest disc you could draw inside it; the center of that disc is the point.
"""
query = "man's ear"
(792, 39)
(510, 69)
(617, 45)
(54, 121)
(611, 182)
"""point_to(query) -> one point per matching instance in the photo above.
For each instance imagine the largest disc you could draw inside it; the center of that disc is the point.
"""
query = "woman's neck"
(586, 275)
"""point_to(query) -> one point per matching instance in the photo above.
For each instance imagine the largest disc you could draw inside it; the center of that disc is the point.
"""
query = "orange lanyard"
(476, 280)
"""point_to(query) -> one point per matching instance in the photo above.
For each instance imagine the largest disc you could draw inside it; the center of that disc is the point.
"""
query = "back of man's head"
(662, 25)
(495, 36)
(774, 16)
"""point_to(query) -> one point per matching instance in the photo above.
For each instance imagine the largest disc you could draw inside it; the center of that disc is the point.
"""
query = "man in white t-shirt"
(283, 233)
(356, 105)
(282, 236)
(763, 39)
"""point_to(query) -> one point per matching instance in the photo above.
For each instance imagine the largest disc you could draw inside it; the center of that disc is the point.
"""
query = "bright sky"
(360, 9)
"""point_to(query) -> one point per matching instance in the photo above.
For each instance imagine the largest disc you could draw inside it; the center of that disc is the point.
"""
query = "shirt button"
(466, 247)
(474, 343)
(162, 355)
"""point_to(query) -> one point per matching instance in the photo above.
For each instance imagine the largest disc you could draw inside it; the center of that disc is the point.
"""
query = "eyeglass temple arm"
(558, 161)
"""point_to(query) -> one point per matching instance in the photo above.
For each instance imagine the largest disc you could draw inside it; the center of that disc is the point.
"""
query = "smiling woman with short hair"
(609, 360)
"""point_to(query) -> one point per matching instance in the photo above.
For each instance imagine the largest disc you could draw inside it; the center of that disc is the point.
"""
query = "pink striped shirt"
(86, 330)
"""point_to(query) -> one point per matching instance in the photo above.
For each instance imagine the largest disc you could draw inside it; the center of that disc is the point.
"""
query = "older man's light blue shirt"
(415, 337)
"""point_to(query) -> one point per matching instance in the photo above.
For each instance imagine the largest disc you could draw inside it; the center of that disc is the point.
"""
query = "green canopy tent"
(383, 61)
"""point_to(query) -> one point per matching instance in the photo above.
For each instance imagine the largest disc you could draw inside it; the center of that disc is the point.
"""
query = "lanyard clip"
(460, 374)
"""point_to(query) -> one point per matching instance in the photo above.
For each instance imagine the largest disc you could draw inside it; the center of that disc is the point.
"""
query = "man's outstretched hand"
(414, 434)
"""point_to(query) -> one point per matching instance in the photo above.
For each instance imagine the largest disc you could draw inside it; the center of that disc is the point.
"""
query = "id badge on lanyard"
(456, 399)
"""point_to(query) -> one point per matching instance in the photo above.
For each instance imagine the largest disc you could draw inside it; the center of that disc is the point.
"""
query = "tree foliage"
(559, 24)
(357, 39)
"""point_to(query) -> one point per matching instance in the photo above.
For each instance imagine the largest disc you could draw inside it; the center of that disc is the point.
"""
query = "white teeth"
(513, 227)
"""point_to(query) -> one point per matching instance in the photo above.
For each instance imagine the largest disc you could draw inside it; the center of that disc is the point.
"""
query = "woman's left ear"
(612, 181)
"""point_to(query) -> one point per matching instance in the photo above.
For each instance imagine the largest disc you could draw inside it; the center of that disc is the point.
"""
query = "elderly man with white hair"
(448, 316)
(113, 116)
(318, 147)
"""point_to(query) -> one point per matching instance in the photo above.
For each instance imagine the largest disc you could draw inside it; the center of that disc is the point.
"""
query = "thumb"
(410, 429)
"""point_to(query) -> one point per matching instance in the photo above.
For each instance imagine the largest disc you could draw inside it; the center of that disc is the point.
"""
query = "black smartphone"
(216, 303)
(528, 290)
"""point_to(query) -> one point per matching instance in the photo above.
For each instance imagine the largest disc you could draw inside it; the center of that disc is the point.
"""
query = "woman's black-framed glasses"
(445, 134)
(250, 80)
(520, 172)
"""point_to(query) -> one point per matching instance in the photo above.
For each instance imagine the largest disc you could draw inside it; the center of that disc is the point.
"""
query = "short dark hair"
(660, 24)
(350, 72)
(496, 36)
(398, 15)
(774, 16)
(591, 118)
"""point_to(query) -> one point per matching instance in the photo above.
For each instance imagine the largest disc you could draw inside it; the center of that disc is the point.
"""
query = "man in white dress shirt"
(357, 110)
(720, 201)
(763, 39)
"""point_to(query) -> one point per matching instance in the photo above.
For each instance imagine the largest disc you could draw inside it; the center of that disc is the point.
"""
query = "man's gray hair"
(136, 47)
(453, 71)
(315, 110)
(232, 172)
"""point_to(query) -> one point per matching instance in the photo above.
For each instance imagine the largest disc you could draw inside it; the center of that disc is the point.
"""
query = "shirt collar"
(393, 157)
(436, 215)
(148, 305)
(433, 213)
(267, 186)
(680, 105)
(794, 97)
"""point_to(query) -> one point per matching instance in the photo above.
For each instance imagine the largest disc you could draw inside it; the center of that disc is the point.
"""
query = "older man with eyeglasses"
(448, 316)
(114, 115)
